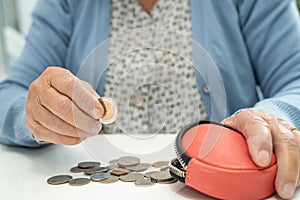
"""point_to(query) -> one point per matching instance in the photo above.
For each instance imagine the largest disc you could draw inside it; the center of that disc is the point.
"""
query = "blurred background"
(15, 21)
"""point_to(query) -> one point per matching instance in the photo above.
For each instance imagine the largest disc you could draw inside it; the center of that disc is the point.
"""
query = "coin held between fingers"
(110, 110)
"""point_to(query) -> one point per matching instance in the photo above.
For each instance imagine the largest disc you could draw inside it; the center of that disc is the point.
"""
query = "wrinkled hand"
(264, 133)
(62, 109)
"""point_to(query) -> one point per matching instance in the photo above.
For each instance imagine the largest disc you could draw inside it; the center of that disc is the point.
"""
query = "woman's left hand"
(264, 133)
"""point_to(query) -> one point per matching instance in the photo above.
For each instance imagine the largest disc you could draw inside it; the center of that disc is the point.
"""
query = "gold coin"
(110, 110)
(161, 164)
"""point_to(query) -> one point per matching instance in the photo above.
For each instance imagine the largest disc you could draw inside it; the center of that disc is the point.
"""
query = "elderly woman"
(253, 42)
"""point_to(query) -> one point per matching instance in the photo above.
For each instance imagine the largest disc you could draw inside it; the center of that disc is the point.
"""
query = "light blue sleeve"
(46, 45)
(272, 32)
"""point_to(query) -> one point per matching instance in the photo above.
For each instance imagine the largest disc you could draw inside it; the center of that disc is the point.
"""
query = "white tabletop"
(24, 172)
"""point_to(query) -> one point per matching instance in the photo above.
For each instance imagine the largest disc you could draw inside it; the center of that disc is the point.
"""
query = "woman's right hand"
(62, 109)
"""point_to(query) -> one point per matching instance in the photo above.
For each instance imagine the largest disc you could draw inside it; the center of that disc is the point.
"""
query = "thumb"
(257, 134)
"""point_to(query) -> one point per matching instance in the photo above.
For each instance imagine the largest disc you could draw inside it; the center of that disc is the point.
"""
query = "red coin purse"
(214, 159)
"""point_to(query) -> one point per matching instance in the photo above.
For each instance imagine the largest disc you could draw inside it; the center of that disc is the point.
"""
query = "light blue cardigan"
(253, 42)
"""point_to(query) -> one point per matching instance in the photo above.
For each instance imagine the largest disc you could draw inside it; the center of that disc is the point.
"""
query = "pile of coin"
(126, 169)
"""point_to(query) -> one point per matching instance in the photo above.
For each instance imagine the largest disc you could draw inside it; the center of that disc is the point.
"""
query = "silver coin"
(165, 169)
(168, 182)
(113, 166)
(88, 164)
(139, 167)
(128, 161)
(96, 170)
(161, 176)
(144, 182)
(79, 181)
(77, 170)
(110, 179)
(160, 164)
(99, 177)
(114, 162)
(120, 171)
(59, 179)
(132, 177)
(148, 174)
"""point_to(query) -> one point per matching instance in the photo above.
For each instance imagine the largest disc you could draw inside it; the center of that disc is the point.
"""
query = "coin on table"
(114, 162)
(148, 174)
(120, 171)
(96, 170)
(88, 164)
(126, 161)
(171, 181)
(132, 177)
(113, 166)
(165, 169)
(160, 164)
(99, 177)
(59, 179)
(144, 182)
(110, 110)
(161, 176)
(110, 179)
(77, 170)
(139, 167)
(79, 181)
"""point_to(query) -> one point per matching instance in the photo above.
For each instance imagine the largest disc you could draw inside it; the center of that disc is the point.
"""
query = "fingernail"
(264, 157)
(288, 190)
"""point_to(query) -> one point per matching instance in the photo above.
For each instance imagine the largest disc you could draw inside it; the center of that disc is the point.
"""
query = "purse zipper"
(179, 166)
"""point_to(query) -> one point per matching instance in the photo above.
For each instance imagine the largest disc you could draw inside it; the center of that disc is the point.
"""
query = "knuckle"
(53, 70)
(49, 70)
(35, 87)
(289, 140)
(69, 82)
